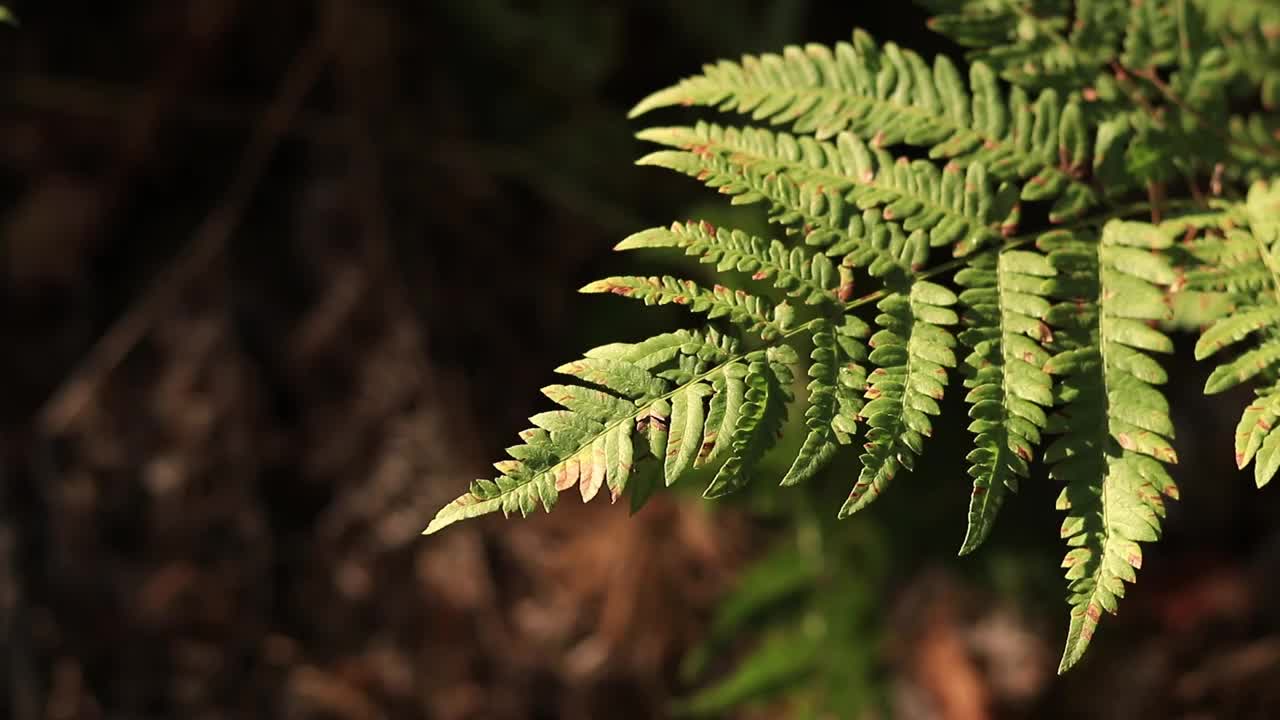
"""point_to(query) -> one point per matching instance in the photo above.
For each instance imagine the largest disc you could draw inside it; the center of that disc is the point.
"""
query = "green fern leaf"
(1256, 429)
(590, 442)
(795, 172)
(1035, 43)
(507, 495)
(1258, 244)
(1008, 388)
(890, 96)
(1256, 441)
(1226, 260)
(1251, 31)
(686, 430)
(1234, 328)
(749, 311)
(911, 351)
(623, 378)
(730, 390)
(1114, 424)
(798, 271)
(1255, 138)
(1151, 37)
(759, 421)
(833, 406)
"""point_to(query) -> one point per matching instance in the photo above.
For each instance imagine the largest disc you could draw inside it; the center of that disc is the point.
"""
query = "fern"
(1259, 322)
(1009, 389)
(912, 352)
(1034, 43)
(994, 244)
(1250, 30)
(1112, 421)
(893, 97)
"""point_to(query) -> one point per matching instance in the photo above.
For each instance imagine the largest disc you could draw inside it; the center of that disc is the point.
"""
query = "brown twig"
(1155, 196)
(70, 399)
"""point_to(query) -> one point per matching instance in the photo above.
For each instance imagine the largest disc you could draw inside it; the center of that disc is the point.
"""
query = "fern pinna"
(1027, 227)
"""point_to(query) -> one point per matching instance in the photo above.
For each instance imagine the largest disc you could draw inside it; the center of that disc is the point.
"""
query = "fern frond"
(1036, 43)
(751, 312)
(1256, 440)
(834, 401)
(1255, 141)
(1250, 31)
(654, 388)
(1152, 35)
(912, 351)
(819, 181)
(1008, 388)
(760, 418)
(1256, 436)
(798, 271)
(1114, 424)
(889, 96)
(1110, 98)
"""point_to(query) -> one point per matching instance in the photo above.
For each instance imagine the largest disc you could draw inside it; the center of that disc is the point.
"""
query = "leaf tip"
(437, 524)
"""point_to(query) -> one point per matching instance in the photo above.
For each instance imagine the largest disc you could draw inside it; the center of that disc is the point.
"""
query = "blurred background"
(278, 279)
